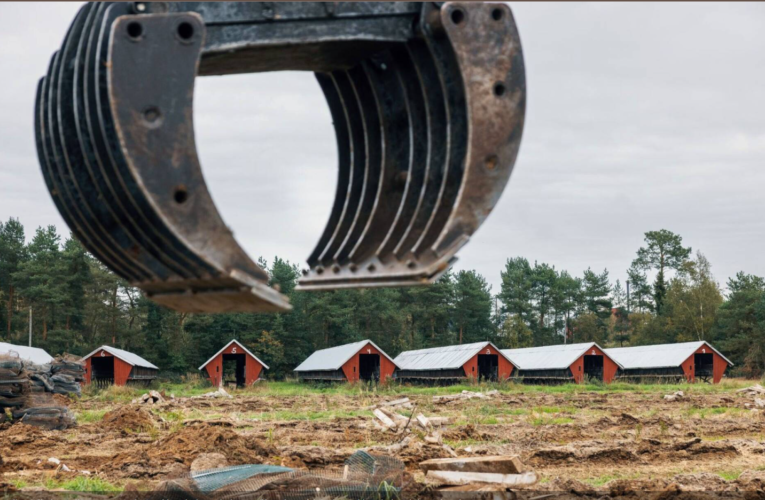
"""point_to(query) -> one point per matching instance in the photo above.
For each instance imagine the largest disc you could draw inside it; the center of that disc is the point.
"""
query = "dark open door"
(233, 369)
(593, 367)
(488, 367)
(102, 370)
(369, 367)
(703, 366)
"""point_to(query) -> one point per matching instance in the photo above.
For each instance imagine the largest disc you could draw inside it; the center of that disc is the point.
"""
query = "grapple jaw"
(428, 106)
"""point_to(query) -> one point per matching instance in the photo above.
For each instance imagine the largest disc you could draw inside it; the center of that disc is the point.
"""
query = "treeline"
(77, 305)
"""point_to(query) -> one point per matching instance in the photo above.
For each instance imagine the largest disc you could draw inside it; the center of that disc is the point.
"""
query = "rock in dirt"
(495, 464)
(678, 396)
(206, 461)
(128, 419)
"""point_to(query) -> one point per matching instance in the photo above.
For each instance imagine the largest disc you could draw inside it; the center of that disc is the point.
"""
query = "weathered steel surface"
(427, 99)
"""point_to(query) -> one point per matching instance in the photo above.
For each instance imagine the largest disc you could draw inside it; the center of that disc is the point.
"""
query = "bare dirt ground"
(577, 441)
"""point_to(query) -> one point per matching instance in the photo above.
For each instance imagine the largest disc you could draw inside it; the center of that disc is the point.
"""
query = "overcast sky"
(640, 117)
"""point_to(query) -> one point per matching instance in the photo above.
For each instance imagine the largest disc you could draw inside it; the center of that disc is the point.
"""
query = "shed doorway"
(593, 367)
(703, 366)
(234, 370)
(369, 367)
(488, 367)
(102, 370)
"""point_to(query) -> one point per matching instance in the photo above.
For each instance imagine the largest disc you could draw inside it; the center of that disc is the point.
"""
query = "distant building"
(108, 365)
(350, 362)
(33, 355)
(245, 368)
(479, 360)
(662, 362)
(562, 363)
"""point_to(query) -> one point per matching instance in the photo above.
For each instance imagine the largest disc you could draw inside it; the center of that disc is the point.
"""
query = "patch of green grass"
(729, 475)
(544, 420)
(555, 409)
(83, 484)
(18, 483)
(85, 416)
(170, 416)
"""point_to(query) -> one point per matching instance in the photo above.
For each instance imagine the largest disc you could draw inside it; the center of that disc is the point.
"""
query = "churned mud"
(585, 442)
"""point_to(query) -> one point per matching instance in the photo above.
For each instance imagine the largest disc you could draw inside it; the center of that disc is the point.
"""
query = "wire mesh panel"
(363, 476)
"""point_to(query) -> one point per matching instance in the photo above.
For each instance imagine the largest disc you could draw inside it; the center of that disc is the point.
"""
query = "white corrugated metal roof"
(549, 357)
(657, 356)
(127, 357)
(334, 358)
(30, 354)
(441, 358)
(226, 347)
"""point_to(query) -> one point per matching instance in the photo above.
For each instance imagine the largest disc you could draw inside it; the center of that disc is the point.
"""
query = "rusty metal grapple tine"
(95, 179)
(414, 165)
(427, 100)
(182, 263)
(436, 140)
(77, 181)
(342, 136)
(468, 58)
(49, 153)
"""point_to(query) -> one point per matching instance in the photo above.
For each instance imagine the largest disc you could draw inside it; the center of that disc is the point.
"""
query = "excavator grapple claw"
(427, 100)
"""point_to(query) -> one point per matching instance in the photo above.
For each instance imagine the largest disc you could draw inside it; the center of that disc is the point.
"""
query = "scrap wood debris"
(403, 403)
(504, 471)
(465, 395)
(220, 393)
(753, 390)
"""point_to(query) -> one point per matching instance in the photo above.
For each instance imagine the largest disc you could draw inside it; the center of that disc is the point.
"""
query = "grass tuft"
(83, 484)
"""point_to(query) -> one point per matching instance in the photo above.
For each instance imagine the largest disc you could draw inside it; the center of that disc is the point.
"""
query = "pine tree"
(13, 254)
(663, 251)
(472, 308)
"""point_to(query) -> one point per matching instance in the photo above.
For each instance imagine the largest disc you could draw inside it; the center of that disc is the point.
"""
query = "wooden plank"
(493, 464)
(451, 478)
(423, 421)
(396, 402)
(384, 419)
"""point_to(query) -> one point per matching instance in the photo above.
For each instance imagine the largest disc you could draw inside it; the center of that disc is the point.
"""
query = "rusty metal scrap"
(427, 99)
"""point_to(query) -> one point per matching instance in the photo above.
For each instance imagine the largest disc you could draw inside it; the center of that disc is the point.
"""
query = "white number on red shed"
(233, 351)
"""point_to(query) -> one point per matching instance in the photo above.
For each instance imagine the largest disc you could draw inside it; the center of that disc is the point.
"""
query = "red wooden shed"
(563, 362)
(108, 365)
(242, 366)
(691, 361)
(361, 360)
(479, 360)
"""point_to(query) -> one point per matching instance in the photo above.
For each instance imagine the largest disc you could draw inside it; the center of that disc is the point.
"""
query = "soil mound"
(189, 442)
(128, 419)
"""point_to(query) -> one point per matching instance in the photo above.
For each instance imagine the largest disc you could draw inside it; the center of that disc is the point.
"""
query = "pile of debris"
(465, 395)
(27, 389)
(755, 391)
(489, 473)
(63, 376)
(14, 383)
(151, 397)
(67, 374)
